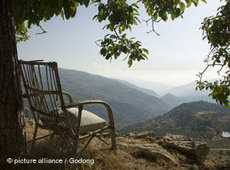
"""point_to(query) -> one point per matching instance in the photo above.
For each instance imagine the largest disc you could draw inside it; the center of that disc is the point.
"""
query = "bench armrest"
(68, 95)
(86, 102)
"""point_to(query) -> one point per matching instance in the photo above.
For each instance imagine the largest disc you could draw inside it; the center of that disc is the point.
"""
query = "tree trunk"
(12, 133)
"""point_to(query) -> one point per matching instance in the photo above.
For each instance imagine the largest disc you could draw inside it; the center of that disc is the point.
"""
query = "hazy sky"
(176, 56)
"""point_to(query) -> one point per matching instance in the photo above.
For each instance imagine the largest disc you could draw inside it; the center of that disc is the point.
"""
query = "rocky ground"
(172, 151)
(135, 151)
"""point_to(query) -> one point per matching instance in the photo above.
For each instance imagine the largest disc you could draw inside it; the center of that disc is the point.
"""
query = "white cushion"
(89, 121)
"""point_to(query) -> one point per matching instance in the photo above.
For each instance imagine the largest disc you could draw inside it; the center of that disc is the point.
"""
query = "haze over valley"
(130, 103)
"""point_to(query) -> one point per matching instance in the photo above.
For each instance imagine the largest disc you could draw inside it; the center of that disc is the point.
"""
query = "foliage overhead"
(216, 30)
(121, 16)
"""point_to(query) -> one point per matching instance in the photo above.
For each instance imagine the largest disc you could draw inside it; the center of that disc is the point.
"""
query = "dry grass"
(103, 158)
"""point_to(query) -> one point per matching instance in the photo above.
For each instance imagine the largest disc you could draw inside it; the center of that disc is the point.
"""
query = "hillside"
(129, 104)
(134, 151)
(188, 93)
(201, 120)
(144, 90)
(171, 100)
(186, 90)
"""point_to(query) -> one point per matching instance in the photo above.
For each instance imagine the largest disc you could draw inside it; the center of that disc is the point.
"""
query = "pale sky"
(175, 57)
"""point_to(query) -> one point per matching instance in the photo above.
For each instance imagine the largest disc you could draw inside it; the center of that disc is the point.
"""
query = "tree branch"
(153, 22)
(43, 31)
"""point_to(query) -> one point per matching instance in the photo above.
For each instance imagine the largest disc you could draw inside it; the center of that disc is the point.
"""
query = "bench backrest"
(43, 89)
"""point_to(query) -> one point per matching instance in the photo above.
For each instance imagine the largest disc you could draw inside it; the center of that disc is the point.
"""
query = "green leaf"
(86, 2)
(163, 15)
(195, 2)
(113, 36)
(67, 10)
(182, 6)
(130, 62)
(173, 16)
(155, 16)
(135, 5)
(145, 50)
(189, 2)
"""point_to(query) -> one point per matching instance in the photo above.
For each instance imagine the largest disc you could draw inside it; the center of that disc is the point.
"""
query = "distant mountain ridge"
(144, 90)
(188, 93)
(129, 104)
(171, 100)
(186, 90)
(195, 119)
(176, 95)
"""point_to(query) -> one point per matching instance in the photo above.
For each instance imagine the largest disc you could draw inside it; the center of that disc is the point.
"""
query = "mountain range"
(188, 93)
(200, 119)
(184, 94)
(129, 103)
(171, 100)
(144, 90)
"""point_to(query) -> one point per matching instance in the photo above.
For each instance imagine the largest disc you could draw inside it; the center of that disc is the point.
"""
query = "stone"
(149, 152)
(144, 135)
(131, 134)
(192, 149)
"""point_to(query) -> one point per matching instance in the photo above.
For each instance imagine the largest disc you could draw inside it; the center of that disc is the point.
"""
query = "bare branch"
(153, 22)
(96, 3)
(207, 60)
(118, 37)
(126, 57)
(221, 68)
(200, 74)
(146, 21)
(97, 43)
(43, 31)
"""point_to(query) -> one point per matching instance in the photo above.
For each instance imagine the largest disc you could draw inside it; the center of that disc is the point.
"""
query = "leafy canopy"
(121, 16)
(216, 30)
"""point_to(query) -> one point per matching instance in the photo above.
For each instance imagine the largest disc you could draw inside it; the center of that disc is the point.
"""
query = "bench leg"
(34, 136)
(113, 139)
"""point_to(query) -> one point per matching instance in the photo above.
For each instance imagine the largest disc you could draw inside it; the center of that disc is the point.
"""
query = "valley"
(139, 109)
(199, 120)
